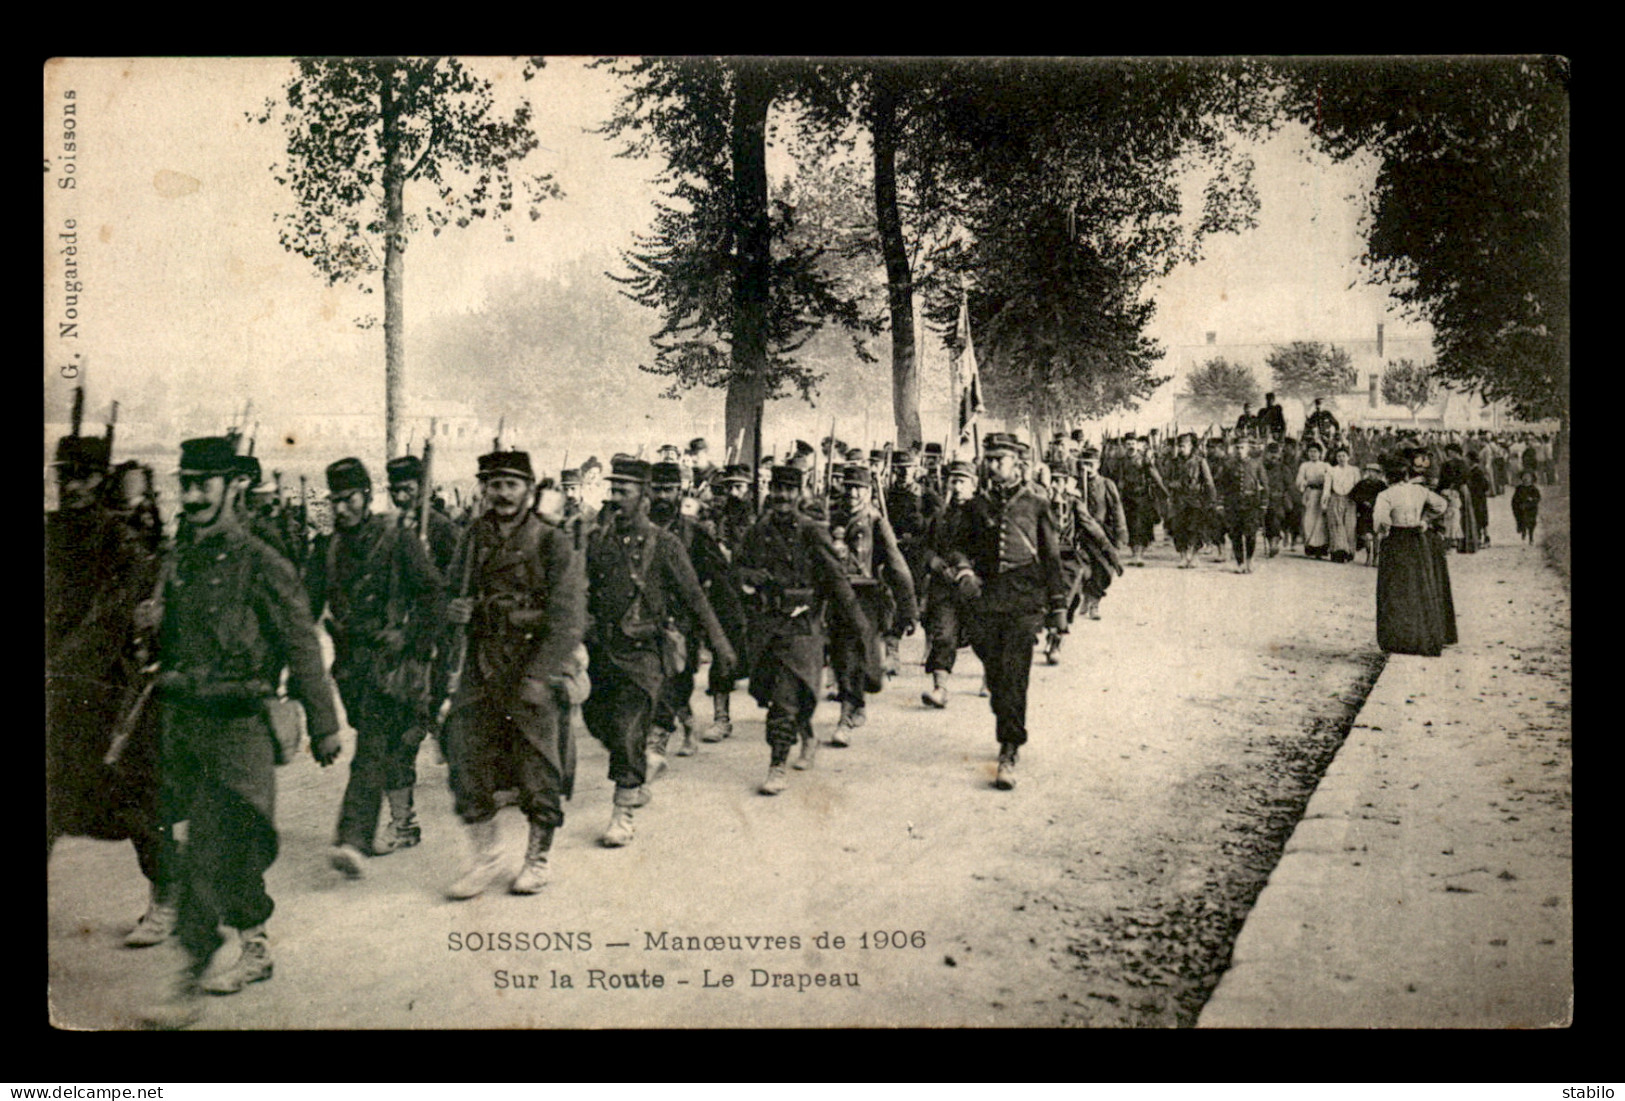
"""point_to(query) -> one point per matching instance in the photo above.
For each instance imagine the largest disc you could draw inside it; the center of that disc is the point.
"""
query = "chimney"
(1212, 338)
(1375, 382)
(1379, 340)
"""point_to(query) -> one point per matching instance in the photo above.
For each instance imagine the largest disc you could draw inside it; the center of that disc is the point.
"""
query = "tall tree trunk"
(394, 260)
(905, 375)
(753, 258)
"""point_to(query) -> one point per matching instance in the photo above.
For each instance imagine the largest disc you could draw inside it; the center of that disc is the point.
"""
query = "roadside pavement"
(1430, 882)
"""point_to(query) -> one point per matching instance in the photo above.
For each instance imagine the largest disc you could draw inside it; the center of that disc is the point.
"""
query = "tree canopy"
(359, 130)
(1408, 383)
(1310, 369)
(1219, 385)
(1066, 179)
(1469, 218)
(686, 266)
(449, 136)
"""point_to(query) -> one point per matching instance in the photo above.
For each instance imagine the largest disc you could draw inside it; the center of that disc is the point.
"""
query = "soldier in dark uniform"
(910, 509)
(931, 469)
(405, 492)
(787, 568)
(382, 595)
(1271, 420)
(1102, 542)
(98, 568)
(1144, 495)
(1012, 545)
(524, 611)
(1194, 500)
(639, 580)
(1070, 517)
(234, 615)
(885, 589)
(1277, 497)
(1242, 488)
(698, 459)
(710, 566)
(249, 493)
(1320, 423)
(132, 495)
(579, 517)
(733, 513)
(952, 585)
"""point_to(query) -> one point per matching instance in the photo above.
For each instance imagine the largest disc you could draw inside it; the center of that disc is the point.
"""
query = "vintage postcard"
(572, 543)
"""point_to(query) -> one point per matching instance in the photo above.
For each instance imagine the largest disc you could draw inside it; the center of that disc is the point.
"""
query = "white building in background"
(1362, 405)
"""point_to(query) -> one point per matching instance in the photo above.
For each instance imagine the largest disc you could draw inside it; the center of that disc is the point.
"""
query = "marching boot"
(809, 750)
(253, 964)
(156, 924)
(534, 875)
(404, 831)
(1052, 646)
(938, 695)
(484, 863)
(1006, 779)
(620, 822)
(721, 725)
(892, 659)
(347, 859)
(179, 1005)
(1091, 607)
(689, 745)
(654, 754)
(777, 780)
(841, 736)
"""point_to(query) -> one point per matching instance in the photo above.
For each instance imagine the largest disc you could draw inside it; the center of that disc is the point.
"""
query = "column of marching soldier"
(503, 631)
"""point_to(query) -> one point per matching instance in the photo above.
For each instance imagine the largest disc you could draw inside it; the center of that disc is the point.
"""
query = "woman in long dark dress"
(1415, 611)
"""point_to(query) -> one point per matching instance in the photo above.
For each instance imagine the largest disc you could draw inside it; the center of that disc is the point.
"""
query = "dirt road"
(1172, 752)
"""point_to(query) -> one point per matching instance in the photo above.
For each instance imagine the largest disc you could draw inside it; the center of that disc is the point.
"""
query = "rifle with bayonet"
(425, 488)
(304, 521)
(457, 647)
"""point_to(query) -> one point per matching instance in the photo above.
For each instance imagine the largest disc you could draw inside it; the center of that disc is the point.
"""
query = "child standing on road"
(1526, 505)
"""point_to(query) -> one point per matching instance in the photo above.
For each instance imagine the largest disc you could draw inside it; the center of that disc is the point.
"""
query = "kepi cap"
(406, 468)
(346, 476)
(511, 464)
(628, 468)
(80, 455)
(208, 455)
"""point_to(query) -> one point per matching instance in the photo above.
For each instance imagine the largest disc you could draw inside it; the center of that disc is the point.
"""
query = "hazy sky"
(189, 294)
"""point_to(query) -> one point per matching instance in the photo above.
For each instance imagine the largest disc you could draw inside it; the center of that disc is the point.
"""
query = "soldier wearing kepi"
(579, 517)
(234, 615)
(732, 515)
(406, 491)
(382, 595)
(1012, 545)
(953, 585)
(251, 492)
(520, 595)
(638, 579)
(885, 589)
(96, 574)
(710, 566)
(787, 568)
(1143, 493)
(910, 510)
(1104, 542)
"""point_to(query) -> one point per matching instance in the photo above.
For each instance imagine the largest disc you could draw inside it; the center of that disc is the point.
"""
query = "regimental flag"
(970, 397)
